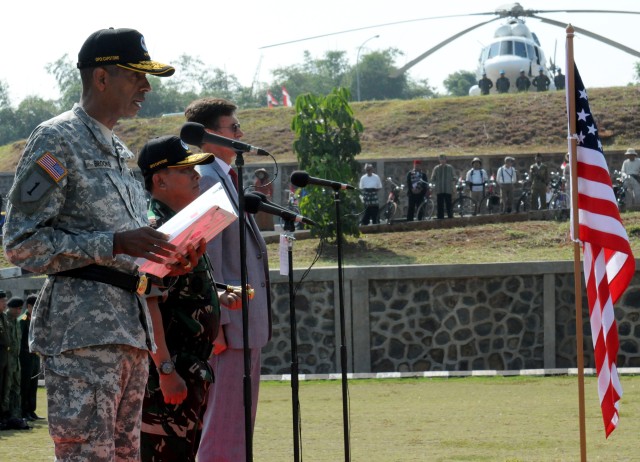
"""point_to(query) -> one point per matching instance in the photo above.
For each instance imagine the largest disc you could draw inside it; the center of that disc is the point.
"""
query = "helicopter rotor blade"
(532, 13)
(410, 64)
(372, 27)
(593, 35)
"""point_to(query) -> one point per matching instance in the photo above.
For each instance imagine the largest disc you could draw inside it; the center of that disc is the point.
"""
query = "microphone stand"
(289, 228)
(248, 433)
(343, 338)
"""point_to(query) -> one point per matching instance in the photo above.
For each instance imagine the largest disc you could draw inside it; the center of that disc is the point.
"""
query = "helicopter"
(515, 49)
(514, 46)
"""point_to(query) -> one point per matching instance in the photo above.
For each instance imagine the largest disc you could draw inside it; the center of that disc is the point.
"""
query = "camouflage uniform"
(13, 403)
(29, 369)
(191, 317)
(72, 192)
(4, 363)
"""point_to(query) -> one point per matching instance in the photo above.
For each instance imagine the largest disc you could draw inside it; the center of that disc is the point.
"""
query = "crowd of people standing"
(538, 180)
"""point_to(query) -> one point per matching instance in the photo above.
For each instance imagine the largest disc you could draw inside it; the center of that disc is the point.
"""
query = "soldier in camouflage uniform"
(29, 365)
(4, 356)
(14, 403)
(77, 213)
(185, 317)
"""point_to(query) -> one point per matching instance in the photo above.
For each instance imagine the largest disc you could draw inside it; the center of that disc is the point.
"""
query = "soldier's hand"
(186, 263)
(143, 242)
(231, 300)
(173, 388)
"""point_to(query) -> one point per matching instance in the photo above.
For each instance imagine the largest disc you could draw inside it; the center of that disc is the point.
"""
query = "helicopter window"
(530, 51)
(494, 50)
(537, 55)
(483, 54)
(520, 49)
(506, 48)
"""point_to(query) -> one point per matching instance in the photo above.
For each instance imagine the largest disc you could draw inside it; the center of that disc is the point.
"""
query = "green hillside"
(513, 123)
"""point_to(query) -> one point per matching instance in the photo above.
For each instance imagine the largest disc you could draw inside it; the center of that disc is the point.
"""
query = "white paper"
(283, 251)
(205, 217)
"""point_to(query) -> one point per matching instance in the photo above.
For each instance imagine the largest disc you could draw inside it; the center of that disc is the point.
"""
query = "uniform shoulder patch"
(52, 166)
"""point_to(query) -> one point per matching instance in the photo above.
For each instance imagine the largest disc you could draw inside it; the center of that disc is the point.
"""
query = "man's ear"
(100, 76)
(159, 180)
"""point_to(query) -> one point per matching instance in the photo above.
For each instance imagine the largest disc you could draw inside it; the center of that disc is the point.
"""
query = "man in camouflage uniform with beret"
(77, 213)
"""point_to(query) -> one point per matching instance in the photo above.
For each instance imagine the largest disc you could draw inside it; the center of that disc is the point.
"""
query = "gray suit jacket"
(224, 252)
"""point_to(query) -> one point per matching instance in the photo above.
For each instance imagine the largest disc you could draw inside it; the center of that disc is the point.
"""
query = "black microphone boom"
(195, 134)
(253, 203)
(301, 179)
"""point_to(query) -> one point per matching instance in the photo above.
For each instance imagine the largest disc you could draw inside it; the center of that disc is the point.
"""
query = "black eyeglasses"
(233, 127)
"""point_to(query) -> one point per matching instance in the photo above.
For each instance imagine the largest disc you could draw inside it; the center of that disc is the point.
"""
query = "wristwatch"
(166, 367)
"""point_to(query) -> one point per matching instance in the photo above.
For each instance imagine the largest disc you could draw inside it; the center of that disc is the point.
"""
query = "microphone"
(253, 203)
(301, 179)
(195, 134)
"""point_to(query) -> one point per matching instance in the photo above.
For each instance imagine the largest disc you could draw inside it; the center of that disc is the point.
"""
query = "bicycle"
(463, 205)
(490, 202)
(427, 206)
(523, 204)
(389, 210)
(620, 190)
(292, 205)
(559, 201)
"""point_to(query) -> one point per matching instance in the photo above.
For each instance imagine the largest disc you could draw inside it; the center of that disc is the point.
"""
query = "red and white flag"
(271, 101)
(608, 261)
(286, 99)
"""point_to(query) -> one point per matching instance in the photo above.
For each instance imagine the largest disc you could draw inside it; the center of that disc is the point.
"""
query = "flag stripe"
(608, 261)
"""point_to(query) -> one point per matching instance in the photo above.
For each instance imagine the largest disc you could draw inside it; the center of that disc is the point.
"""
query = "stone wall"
(431, 318)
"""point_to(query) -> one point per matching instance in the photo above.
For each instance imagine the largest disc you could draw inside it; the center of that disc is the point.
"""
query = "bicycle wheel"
(523, 204)
(490, 205)
(387, 212)
(464, 206)
(426, 210)
(559, 201)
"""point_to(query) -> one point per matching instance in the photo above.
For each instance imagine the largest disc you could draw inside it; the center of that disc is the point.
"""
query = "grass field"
(457, 419)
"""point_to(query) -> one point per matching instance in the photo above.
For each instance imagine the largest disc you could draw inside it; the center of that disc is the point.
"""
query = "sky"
(229, 35)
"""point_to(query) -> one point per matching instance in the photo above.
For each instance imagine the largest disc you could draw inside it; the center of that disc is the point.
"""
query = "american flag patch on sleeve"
(52, 166)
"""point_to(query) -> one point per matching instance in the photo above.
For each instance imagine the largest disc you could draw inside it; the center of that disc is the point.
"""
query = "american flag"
(608, 261)
(51, 165)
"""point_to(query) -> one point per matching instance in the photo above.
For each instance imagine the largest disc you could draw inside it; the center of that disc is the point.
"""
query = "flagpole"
(577, 267)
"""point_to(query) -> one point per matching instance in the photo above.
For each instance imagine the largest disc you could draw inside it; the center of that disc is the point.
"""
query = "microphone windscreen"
(251, 203)
(192, 133)
(300, 178)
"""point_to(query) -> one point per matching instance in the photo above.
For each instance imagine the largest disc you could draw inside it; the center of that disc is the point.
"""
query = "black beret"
(15, 302)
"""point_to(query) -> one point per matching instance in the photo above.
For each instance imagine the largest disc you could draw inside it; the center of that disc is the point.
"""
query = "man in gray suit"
(223, 433)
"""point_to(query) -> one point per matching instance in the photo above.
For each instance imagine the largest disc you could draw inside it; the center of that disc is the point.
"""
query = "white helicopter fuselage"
(513, 49)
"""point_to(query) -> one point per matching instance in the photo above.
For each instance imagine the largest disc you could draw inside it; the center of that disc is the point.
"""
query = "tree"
(374, 71)
(316, 76)
(68, 79)
(458, 83)
(31, 112)
(5, 100)
(327, 141)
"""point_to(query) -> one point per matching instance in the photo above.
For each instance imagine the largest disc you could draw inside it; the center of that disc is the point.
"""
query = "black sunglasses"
(233, 127)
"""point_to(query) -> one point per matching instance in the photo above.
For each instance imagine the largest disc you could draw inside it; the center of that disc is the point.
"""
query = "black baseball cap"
(125, 48)
(169, 151)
